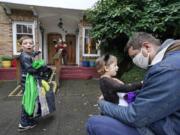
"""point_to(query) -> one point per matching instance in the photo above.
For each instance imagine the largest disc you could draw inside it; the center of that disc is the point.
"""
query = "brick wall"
(5, 34)
(6, 37)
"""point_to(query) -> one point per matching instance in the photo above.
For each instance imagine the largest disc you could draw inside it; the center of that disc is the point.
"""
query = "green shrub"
(6, 57)
(0, 58)
(135, 74)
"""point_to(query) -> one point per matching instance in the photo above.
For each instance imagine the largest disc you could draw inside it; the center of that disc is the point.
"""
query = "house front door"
(52, 41)
(71, 48)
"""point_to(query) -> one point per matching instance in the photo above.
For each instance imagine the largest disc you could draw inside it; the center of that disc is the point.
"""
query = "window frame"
(84, 54)
(14, 32)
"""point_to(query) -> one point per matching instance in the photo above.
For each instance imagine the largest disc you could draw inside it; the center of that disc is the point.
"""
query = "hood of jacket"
(168, 46)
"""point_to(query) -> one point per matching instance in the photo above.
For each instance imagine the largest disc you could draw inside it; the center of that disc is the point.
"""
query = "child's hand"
(36, 57)
(118, 80)
(101, 97)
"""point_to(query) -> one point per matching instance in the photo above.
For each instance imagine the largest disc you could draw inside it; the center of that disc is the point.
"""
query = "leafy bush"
(135, 74)
(114, 21)
(111, 17)
(6, 57)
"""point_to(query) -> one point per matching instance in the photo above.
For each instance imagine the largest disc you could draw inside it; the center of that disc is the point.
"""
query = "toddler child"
(113, 90)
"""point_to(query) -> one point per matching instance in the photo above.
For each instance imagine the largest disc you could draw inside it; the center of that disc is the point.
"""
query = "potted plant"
(85, 62)
(6, 61)
(92, 62)
(0, 61)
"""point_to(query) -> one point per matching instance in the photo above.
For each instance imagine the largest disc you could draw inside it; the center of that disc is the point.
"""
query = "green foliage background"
(114, 21)
(110, 17)
(135, 74)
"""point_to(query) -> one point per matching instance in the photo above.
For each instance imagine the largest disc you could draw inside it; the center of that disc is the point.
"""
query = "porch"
(46, 25)
(62, 72)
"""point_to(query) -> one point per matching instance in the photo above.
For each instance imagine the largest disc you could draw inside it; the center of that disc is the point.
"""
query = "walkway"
(75, 102)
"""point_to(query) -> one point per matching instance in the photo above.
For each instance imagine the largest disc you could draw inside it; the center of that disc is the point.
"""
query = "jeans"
(26, 120)
(104, 125)
(64, 59)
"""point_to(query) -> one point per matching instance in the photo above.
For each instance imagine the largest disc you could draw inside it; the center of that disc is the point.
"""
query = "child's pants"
(25, 120)
(103, 125)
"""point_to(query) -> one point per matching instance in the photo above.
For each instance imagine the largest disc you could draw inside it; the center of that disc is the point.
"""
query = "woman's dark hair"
(106, 57)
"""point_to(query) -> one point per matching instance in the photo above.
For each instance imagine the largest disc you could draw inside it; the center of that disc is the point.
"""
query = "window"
(89, 46)
(20, 29)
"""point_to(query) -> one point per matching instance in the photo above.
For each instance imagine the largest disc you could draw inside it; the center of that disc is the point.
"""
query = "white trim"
(87, 55)
(78, 50)
(34, 26)
(46, 47)
(14, 31)
(7, 9)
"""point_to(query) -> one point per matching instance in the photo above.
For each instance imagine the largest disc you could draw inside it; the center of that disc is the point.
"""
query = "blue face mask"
(141, 61)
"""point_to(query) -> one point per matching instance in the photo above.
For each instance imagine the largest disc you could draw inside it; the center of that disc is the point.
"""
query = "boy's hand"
(36, 58)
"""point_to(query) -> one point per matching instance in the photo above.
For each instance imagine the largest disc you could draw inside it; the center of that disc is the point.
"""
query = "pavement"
(75, 102)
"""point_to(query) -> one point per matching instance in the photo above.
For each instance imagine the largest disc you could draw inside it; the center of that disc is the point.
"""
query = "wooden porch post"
(58, 64)
(18, 71)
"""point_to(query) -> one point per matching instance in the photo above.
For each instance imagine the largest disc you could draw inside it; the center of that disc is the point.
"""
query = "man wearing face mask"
(156, 109)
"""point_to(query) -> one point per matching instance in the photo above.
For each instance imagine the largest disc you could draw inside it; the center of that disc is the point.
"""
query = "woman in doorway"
(61, 50)
(64, 53)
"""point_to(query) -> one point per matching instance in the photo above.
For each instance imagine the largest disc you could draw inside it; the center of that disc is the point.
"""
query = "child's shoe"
(23, 128)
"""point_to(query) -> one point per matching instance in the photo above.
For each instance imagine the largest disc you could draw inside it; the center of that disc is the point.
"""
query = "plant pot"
(85, 63)
(92, 63)
(14, 63)
(6, 64)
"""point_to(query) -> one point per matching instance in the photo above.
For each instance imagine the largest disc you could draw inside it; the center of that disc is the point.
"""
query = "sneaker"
(23, 128)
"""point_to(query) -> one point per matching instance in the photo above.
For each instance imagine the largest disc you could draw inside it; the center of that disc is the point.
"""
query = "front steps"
(8, 73)
(75, 73)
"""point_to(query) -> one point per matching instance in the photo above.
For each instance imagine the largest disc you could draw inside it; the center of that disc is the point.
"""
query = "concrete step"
(76, 77)
(8, 73)
(71, 72)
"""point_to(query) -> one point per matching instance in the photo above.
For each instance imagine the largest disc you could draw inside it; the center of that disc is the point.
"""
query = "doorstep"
(8, 73)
